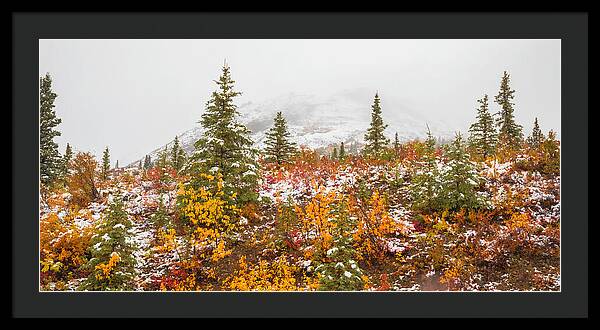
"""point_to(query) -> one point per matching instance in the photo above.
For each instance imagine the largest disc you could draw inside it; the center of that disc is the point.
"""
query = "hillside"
(319, 122)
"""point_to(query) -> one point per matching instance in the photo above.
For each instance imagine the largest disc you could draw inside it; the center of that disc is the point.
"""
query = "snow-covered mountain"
(319, 122)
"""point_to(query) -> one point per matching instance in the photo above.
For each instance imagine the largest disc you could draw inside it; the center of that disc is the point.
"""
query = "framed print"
(365, 171)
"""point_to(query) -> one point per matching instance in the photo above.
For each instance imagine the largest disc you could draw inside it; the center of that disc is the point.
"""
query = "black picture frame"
(571, 28)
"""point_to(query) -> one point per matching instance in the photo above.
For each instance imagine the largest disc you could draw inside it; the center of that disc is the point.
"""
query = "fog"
(135, 95)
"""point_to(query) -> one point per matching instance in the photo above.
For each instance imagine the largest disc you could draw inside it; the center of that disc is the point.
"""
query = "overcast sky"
(135, 95)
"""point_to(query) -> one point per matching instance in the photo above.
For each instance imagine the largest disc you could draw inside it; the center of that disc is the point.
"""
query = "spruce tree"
(147, 162)
(425, 185)
(279, 147)
(163, 163)
(117, 164)
(551, 154)
(225, 146)
(51, 164)
(177, 155)
(510, 133)
(537, 137)
(105, 164)
(334, 155)
(482, 139)
(460, 179)
(341, 272)
(396, 143)
(374, 138)
(112, 266)
(161, 218)
(162, 160)
(342, 151)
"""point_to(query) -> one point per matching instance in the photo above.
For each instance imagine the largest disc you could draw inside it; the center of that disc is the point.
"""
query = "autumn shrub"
(286, 225)
(161, 177)
(276, 275)
(387, 154)
(250, 211)
(82, 179)
(468, 249)
(315, 222)
(509, 199)
(438, 251)
(373, 227)
(63, 246)
(210, 217)
(181, 276)
(127, 178)
(166, 239)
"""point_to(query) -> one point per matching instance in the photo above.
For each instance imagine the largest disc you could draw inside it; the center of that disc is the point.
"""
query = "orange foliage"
(63, 245)
(160, 176)
(82, 179)
(316, 225)
(374, 224)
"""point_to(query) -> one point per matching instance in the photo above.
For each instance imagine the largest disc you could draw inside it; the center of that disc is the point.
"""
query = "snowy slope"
(318, 122)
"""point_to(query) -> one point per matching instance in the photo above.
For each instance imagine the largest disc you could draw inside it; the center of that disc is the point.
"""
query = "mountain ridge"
(319, 122)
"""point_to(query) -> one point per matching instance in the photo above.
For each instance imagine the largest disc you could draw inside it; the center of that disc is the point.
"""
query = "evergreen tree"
(334, 155)
(105, 164)
(342, 151)
(117, 164)
(460, 179)
(425, 186)
(140, 165)
(112, 264)
(482, 139)
(551, 154)
(161, 218)
(396, 143)
(537, 137)
(374, 138)
(178, 155)
(341, 272)
(162, 160)
(51, 164)
(510, 133)
(147, 162)
(66, 161)
(279, 148)
(225, 146)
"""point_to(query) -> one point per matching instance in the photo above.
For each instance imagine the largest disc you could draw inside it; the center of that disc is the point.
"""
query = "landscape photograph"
(311, 165)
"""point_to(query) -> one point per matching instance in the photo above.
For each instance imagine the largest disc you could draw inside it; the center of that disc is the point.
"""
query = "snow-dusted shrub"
(112, 264)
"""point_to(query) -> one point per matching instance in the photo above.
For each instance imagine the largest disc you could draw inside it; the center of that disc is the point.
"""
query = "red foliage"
(384, 285)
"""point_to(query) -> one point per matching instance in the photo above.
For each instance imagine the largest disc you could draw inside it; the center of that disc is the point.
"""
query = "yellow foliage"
(521, 226)
(264, 276)
(56, 201)
(514, 198)
(211, 217)
(316, 218)
(373, 226)
(62, 243)
(105, 269)
(312, 282)
(168, 239)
